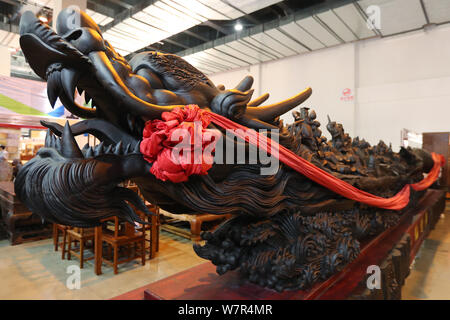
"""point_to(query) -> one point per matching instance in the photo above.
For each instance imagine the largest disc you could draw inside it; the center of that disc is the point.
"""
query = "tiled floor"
(35, 271)
(430, 273)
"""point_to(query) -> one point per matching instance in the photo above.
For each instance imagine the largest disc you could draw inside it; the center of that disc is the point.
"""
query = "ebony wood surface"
(391, 250)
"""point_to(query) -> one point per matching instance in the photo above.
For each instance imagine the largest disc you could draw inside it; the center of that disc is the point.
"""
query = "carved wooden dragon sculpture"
(287, 231)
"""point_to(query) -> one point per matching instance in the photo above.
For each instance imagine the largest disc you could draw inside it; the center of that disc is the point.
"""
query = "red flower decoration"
(176, 144)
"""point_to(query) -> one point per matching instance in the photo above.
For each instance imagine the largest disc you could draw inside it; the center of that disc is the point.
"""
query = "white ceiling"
(323, 29)
(438, 10)
(326, 29)
(99, 18)
(398, 15)
(165, 18)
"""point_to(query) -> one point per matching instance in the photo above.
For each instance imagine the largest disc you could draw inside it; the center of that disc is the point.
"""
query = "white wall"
(326, 71)
(404, 82)
(398, 82)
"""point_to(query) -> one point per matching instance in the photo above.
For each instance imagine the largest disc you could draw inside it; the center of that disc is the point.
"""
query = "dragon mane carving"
(287, 231)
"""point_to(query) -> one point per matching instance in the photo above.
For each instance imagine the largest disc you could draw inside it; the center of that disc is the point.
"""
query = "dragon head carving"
(79, 187)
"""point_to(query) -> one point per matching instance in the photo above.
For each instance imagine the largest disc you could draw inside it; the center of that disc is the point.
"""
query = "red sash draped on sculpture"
(439, 161)
(297, 163)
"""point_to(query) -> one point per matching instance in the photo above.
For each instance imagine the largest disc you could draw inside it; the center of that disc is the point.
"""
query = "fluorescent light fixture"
(238, 26)
(43, 19)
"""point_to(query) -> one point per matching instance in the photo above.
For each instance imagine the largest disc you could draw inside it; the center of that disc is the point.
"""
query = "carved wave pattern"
(291, 251)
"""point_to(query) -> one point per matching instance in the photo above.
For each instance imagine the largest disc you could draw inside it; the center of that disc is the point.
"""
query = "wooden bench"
(195, 222)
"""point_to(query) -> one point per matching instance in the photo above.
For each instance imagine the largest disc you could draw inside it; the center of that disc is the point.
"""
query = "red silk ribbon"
(297, 163)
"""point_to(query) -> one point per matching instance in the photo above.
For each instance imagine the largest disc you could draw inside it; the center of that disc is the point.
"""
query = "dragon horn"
(245, 84)
(69, 147)
(256, 102)
(270, 112)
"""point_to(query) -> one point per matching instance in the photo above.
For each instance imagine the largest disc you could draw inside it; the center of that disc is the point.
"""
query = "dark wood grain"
(203, 283)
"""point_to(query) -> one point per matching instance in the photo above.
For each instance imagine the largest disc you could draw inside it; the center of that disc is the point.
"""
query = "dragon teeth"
(89, 153)
(69, 79)
(118, 148)
(108, 149)
(101, 149)
(127, 148)
(98, 149)
(137, 148)
(53, 87)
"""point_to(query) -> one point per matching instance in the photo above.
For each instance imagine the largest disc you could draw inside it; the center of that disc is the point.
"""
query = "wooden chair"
(57, 228)
(124, 234)
(152, 227)
(82, 235)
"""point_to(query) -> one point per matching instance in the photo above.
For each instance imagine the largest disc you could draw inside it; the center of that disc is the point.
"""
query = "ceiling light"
(238, 26)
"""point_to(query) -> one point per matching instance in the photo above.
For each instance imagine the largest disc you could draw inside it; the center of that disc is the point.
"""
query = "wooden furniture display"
(154, 222)
(20, 223)
(195, 222)
(154, 239)
(98, 250)
(151, 229)
(124, 234)
(393, 251)
(57, 228)
(82, 236)
(439, 142)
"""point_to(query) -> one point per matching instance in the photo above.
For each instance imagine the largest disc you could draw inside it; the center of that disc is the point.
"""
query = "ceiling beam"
(249, 17)
(286, 9)
(97, 7)
(128, 13)
(425, 13)
(294, 16)
(123, 4)
(215, 26)
(11, 2)
(195, 35)
(176, 43)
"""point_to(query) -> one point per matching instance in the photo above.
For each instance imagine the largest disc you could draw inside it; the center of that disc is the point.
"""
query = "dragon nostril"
(74, 35)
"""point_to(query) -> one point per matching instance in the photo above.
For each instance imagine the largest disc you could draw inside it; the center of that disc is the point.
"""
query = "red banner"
(302, 166)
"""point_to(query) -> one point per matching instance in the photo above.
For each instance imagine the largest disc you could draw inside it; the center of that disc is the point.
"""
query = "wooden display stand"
(392, 250)
(20, 223)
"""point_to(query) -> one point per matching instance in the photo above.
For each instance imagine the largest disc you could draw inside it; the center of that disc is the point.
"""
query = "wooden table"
(195, 222)
(21, 224)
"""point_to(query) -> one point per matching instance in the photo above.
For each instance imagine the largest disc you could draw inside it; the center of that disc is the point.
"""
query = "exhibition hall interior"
(225, 150)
